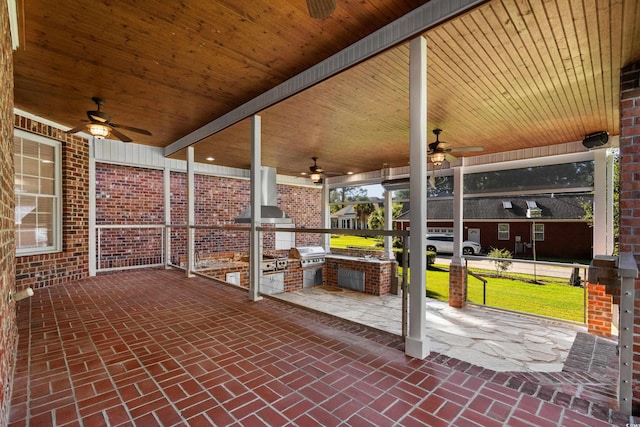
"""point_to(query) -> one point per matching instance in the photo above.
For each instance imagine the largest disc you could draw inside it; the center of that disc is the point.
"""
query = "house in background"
(344, 218)
(349, 218)
(553, 224)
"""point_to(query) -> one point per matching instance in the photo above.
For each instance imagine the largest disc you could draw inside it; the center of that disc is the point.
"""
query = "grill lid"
(302, 252)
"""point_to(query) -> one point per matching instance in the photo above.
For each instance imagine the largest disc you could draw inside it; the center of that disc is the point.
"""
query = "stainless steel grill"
(309, 256)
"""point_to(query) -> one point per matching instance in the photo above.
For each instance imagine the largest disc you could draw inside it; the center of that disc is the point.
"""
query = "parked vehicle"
(443, 243)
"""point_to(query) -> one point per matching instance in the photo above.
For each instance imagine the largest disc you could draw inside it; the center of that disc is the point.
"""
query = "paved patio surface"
(492, 339)
(153, 348)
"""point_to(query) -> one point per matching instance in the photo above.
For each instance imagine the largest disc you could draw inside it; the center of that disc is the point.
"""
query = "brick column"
(630, 195)
(457, 286)
(599, 310)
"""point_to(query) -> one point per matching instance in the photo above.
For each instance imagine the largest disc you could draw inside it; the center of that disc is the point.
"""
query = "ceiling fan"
(320, 9)
(317, 173)
(99, 125)
(438, 150)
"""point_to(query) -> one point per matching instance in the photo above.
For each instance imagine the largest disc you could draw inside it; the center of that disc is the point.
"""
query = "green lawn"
(549, 299)
(341, 241)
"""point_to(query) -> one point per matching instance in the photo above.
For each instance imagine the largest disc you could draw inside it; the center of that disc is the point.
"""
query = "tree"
(338, 196)
(401, 194)
(362, 211)
(376, 219)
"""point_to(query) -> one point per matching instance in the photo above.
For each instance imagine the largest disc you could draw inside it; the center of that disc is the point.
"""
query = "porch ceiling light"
(98, 131)
(437, 158)
(316, 178)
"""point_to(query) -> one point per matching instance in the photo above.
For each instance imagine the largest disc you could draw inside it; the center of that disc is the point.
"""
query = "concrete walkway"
(492, 339)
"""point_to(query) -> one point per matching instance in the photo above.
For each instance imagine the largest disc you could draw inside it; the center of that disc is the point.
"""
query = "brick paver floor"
(152, 347)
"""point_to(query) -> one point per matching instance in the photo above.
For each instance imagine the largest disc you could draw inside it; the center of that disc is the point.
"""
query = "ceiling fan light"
(437, 158)
(316, 178)
(98, 131)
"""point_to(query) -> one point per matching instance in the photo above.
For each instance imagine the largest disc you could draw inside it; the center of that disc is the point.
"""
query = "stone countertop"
(358, 258)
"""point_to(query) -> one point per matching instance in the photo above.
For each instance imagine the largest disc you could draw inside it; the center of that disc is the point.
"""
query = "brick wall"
(131, 195)
(37, 271)
(8, 328)
(304, 205)
(630, 194)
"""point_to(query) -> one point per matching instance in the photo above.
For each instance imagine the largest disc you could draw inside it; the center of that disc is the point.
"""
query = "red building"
(553, 224)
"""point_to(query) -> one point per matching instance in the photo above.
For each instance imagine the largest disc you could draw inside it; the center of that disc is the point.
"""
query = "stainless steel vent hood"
(271, 213)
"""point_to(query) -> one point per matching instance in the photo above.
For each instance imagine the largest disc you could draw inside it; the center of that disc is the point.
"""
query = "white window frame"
(57, 197)
(502, 232)
(538, 235)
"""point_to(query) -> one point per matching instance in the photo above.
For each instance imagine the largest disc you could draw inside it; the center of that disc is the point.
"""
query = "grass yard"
(343, 241)
(550, 299)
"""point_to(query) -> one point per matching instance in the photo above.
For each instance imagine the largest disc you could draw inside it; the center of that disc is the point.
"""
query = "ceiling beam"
(419, 20)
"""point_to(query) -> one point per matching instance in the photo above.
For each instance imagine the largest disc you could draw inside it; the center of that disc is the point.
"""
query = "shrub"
(397, 243)
(501, 266)
(431, 258)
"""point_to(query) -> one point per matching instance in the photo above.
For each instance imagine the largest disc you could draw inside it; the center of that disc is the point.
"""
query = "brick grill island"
(378, 272)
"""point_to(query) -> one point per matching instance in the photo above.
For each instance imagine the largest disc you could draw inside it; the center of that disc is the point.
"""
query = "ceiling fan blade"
(122, 137)
(131, 128)
(320, 9)
(76, 129)
(98, 116)
(460, 149)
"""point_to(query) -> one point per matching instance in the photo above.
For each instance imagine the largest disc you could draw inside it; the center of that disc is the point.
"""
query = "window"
(538, 232)
(38, 188)
(503, 231)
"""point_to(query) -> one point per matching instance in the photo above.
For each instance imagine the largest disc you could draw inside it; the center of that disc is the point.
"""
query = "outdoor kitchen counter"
(366, 274)
(358, 258)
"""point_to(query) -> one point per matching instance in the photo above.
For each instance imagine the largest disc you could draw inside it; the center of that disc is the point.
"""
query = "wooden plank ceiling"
(507, 75)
